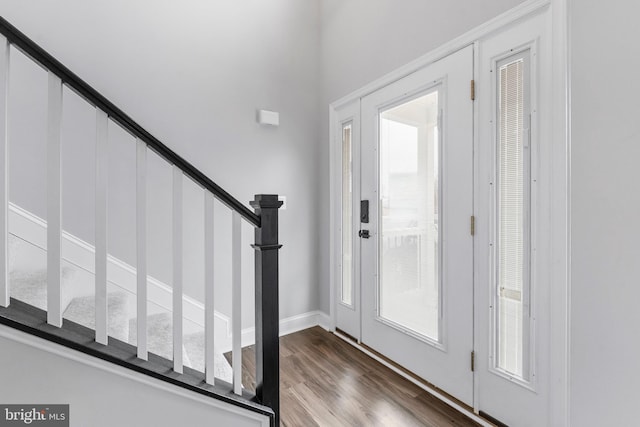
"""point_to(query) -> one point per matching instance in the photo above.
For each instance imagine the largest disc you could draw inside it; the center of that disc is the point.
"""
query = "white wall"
(99, 397)
(193, 73)
(363, 40)
(605, 254)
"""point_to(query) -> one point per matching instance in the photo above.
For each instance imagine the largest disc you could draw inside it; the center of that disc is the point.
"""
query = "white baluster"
(54, 205)
(102, 182)
(4, 173)
(141, 246)
(236, 301)
(177, 270)
(209, 313)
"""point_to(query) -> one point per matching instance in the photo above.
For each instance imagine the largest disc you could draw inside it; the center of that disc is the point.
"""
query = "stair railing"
(264, 219)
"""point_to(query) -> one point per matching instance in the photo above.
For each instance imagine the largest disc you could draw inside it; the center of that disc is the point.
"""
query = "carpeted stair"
(82, 310)
(159, 336)
(28, 283)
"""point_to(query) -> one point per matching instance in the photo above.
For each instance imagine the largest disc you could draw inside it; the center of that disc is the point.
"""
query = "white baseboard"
(33, 229)
(288, 326)
(324, 321)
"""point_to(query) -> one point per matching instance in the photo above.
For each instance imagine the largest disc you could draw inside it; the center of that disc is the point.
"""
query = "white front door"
(416, 266)
(413, 284)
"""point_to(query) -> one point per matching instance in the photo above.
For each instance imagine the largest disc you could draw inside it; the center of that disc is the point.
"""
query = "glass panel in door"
(513, 215)
(409, 287)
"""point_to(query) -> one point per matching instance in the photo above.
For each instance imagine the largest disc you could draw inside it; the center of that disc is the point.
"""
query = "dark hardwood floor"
(325, 381)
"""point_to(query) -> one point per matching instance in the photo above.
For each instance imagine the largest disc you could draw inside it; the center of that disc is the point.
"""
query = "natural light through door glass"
(409, 287)
(347, 218)
(513, 217)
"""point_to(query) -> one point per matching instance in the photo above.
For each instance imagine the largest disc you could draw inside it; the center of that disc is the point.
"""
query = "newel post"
(267, 317)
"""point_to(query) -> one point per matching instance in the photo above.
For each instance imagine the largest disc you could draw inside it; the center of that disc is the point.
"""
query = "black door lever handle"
(364, 234)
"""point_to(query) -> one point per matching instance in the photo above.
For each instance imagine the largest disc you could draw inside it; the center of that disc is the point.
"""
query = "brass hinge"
(473, 361)
(473, 225)
(473, 90)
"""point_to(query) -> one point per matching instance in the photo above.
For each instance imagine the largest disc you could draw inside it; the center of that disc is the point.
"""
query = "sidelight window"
(513, 215)
(347, 215)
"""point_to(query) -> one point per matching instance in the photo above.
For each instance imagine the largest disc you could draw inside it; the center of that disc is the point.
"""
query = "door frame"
(559, 152)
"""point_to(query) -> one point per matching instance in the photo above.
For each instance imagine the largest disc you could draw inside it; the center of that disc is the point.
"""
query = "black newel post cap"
(266, 207)
(266, 201)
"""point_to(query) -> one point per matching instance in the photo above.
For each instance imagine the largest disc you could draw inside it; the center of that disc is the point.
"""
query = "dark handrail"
(31, 49)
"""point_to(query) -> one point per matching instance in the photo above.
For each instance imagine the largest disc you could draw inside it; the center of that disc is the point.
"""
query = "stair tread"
(159, 335)
(194, 343)
(82, 310)
(31, 286)
(32, 320)
(28, 283)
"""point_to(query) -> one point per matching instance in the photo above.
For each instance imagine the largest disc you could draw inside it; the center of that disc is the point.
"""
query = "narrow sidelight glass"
(513, 216)
(347, 215)
(409, 250)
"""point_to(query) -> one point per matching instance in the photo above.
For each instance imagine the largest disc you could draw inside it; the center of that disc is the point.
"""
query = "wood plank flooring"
(325, 381)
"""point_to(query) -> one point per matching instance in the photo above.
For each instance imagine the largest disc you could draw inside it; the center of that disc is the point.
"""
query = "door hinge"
(473, 90)
(473, 225)
(473, 361)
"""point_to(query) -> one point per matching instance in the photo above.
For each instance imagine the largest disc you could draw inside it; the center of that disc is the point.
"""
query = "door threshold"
(344, 335)
(408, 373)
(493, 420)
(425, 385)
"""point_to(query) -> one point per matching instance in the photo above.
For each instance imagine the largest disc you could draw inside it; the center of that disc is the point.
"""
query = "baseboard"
(33, 229)
(288, 326)
(324, 321)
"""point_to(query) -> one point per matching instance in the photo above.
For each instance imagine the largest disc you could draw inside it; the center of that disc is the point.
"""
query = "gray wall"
(193, 73)
(205, 68)
(363, 40)
(96, 397)
(605, 199)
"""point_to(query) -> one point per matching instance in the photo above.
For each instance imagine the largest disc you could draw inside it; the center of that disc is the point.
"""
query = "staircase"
(28, 282)
(47, 295)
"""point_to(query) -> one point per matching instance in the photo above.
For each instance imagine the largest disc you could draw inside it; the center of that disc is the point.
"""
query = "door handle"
(364, 234)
